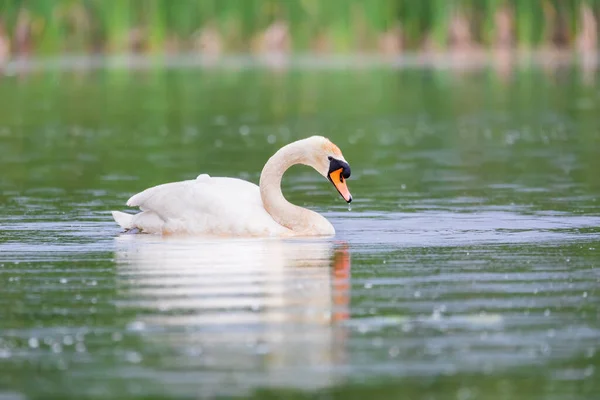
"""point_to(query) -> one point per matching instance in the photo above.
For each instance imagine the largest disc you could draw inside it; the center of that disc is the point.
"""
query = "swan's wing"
(207, 205)
(162, 197)
(170, 199)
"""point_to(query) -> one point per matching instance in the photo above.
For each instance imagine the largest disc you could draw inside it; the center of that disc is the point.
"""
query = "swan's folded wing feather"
(215, 205)
(169, 200)
(201, 196)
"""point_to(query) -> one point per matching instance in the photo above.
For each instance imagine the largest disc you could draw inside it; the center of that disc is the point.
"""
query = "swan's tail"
(123, 219)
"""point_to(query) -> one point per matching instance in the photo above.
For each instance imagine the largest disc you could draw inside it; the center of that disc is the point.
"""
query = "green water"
(467, 268)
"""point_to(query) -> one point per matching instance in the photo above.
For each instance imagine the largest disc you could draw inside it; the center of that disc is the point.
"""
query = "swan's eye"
(329, 158)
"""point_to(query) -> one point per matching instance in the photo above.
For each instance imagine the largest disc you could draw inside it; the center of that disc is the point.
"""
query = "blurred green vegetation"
(537, 128)
(390, 26)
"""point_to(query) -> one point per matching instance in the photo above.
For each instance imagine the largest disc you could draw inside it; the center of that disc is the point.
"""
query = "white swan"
(234, 207)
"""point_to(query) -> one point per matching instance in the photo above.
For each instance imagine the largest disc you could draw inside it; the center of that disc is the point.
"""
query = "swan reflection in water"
(265, 310)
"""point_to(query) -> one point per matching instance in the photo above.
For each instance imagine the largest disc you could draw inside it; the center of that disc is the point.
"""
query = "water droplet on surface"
(545, 349)
(68, 340)
(133, 357)
(5, 353)
(547, 312)
(56, 348)
(34, 343)
(271, 139)
(64, 280)
(220, 120)
(584, 295)
(244, 130)
(403, 186)
(368, 285)
(80, 347)
(136, 326)
(394, 351)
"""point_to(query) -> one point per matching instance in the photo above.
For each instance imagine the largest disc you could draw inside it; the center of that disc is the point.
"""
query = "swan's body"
(234, 207)
(206, 205)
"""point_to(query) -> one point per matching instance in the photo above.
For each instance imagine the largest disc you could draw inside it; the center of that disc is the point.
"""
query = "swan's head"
(328, 160)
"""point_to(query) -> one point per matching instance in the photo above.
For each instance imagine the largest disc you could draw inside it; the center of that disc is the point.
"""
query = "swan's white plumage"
(210, 206)
(234, 207)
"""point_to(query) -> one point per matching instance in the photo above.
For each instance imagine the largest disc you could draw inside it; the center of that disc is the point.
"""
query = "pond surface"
(468, 266)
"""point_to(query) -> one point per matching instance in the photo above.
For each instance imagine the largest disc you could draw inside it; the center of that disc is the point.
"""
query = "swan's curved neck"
(296, 218)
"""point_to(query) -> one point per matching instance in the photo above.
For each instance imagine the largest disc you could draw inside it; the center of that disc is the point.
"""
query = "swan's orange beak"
(339, 182)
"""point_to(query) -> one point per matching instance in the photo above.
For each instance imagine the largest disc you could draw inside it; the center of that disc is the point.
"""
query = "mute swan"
(234, 207)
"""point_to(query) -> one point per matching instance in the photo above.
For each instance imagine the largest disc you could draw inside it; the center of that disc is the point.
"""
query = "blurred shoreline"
(217, 27)
(452, 60)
